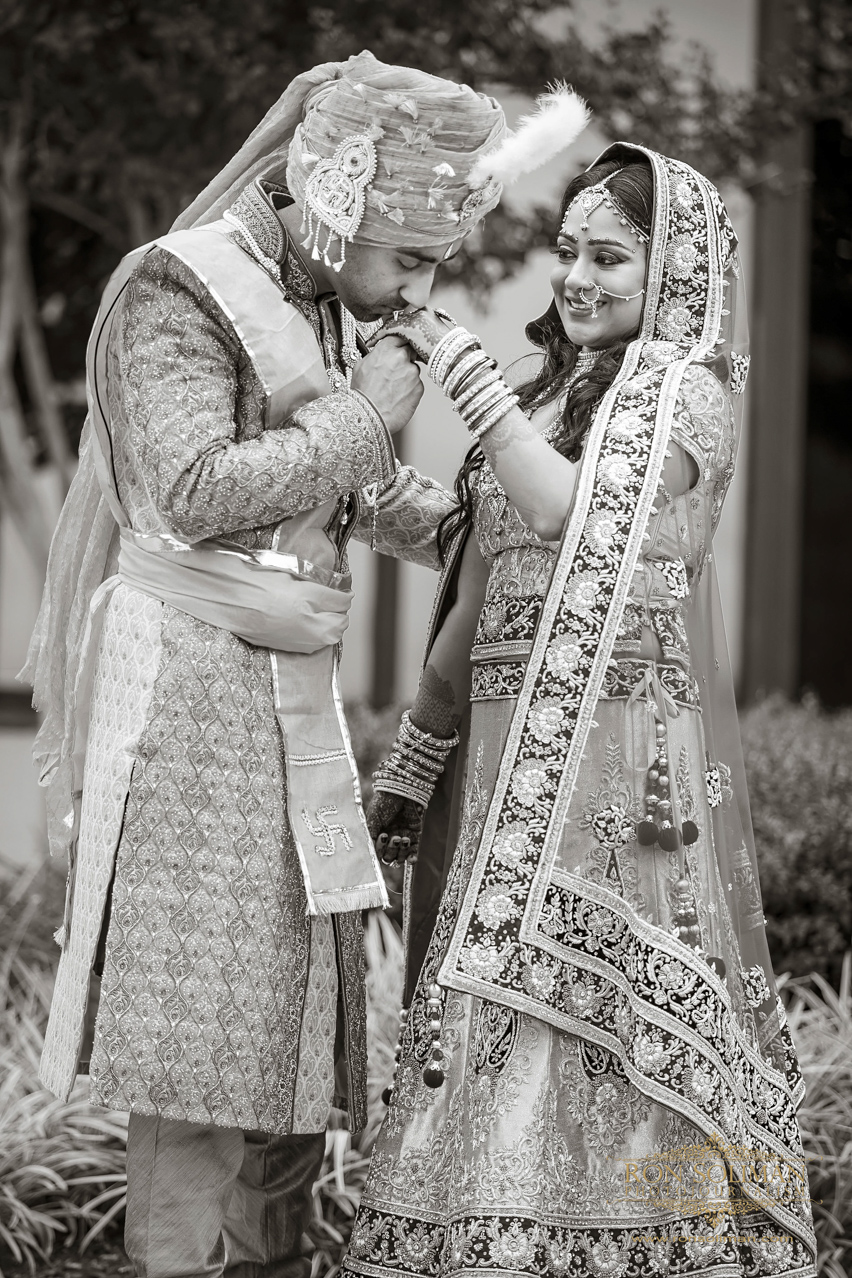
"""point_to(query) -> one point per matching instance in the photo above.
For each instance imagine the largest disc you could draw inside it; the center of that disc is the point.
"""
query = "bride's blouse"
(521, 564)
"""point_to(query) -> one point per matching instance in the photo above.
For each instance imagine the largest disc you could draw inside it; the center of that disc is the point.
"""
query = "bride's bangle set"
(414, 764)
(472, 380)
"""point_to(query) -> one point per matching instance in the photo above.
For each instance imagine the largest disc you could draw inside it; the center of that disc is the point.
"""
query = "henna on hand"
(422, 329)
(395, 824)
(435, 708)
(514, 428)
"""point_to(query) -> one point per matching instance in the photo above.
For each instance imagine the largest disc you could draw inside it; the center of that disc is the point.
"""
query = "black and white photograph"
(425, 615)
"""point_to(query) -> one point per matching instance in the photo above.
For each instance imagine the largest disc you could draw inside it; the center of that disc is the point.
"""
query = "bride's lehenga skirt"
(538, 1156)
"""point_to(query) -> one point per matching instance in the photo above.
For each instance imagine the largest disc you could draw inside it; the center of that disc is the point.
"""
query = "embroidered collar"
(254, 217)
(261, 233)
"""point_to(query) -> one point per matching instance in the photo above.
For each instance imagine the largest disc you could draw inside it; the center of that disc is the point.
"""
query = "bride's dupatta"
(532, 935)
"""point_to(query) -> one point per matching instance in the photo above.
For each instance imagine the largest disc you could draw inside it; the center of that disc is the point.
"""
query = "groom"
(216, 890)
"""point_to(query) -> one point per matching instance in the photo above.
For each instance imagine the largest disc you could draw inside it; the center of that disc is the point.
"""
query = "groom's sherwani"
(221, 1002)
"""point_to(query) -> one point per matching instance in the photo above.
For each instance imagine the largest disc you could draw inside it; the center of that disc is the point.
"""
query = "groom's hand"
(390, 379)
(422, 327)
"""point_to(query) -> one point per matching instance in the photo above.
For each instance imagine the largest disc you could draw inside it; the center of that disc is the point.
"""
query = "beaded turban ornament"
(392, 156)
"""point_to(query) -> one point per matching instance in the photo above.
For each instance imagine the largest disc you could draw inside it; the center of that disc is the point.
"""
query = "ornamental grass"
(821, 1025)
(61, 1165)
(338, 1190)
(799, 767)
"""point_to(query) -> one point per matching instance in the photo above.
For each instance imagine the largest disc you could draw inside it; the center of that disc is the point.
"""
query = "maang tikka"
(589, 199)
(592, 197)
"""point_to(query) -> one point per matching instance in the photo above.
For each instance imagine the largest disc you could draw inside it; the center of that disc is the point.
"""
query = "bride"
(595, 1074)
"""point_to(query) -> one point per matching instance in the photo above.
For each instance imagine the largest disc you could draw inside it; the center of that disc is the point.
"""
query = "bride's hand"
(422, 329)
(394, 824)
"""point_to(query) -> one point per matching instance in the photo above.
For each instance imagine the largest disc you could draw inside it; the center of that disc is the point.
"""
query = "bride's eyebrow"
(617, 243)
(565, 235)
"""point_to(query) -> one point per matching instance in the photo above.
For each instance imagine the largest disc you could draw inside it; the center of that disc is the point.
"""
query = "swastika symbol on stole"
(326, 830)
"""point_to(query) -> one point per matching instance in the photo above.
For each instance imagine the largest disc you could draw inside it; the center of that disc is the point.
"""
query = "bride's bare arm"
(538, 480)
(395, 822)
(445, 683)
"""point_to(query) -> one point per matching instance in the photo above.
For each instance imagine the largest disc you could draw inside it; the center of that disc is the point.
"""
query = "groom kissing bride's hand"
(421, 327)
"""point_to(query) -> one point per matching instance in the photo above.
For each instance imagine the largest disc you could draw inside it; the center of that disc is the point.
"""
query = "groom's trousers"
(204, 1201)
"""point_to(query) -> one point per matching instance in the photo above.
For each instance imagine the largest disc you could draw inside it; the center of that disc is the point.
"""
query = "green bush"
(61, 1165)
(799, 767)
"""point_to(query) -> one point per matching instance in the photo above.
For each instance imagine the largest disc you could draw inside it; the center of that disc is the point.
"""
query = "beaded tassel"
(403, 1021)
(685, 914)
(658, 825)
(433, 1074)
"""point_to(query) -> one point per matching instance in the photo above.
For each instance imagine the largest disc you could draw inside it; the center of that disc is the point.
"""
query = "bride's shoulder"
(704, 419)
(702, 392)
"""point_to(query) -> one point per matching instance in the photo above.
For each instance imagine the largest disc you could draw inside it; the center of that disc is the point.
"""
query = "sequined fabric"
(185, 384)
(212, 964)
(128, 660)
(407, 514)
(521, 564)
(539, 1155)
(209, 928)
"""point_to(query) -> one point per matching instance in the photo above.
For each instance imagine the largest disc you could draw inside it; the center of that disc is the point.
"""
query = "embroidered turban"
(382, 155)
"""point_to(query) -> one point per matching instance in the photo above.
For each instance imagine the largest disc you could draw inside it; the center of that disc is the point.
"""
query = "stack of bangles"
(460, 367)
(414, 764)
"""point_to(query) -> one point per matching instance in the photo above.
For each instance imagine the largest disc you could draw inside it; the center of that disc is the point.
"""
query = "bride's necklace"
(586, 361)
(584, 364)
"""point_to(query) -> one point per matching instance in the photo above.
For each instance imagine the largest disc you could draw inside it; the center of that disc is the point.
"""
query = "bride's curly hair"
(633, 187)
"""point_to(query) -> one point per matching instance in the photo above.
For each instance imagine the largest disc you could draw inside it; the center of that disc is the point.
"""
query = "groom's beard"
(357, 291)
(366, 309)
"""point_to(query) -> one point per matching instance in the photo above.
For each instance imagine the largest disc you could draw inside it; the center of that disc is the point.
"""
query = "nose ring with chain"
(603, 292)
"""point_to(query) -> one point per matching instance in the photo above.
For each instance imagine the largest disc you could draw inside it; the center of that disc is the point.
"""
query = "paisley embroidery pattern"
(505, 619)
(384, 1244)
(501, 679)
(602, 1098)
(613, 810)
(622, 677)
